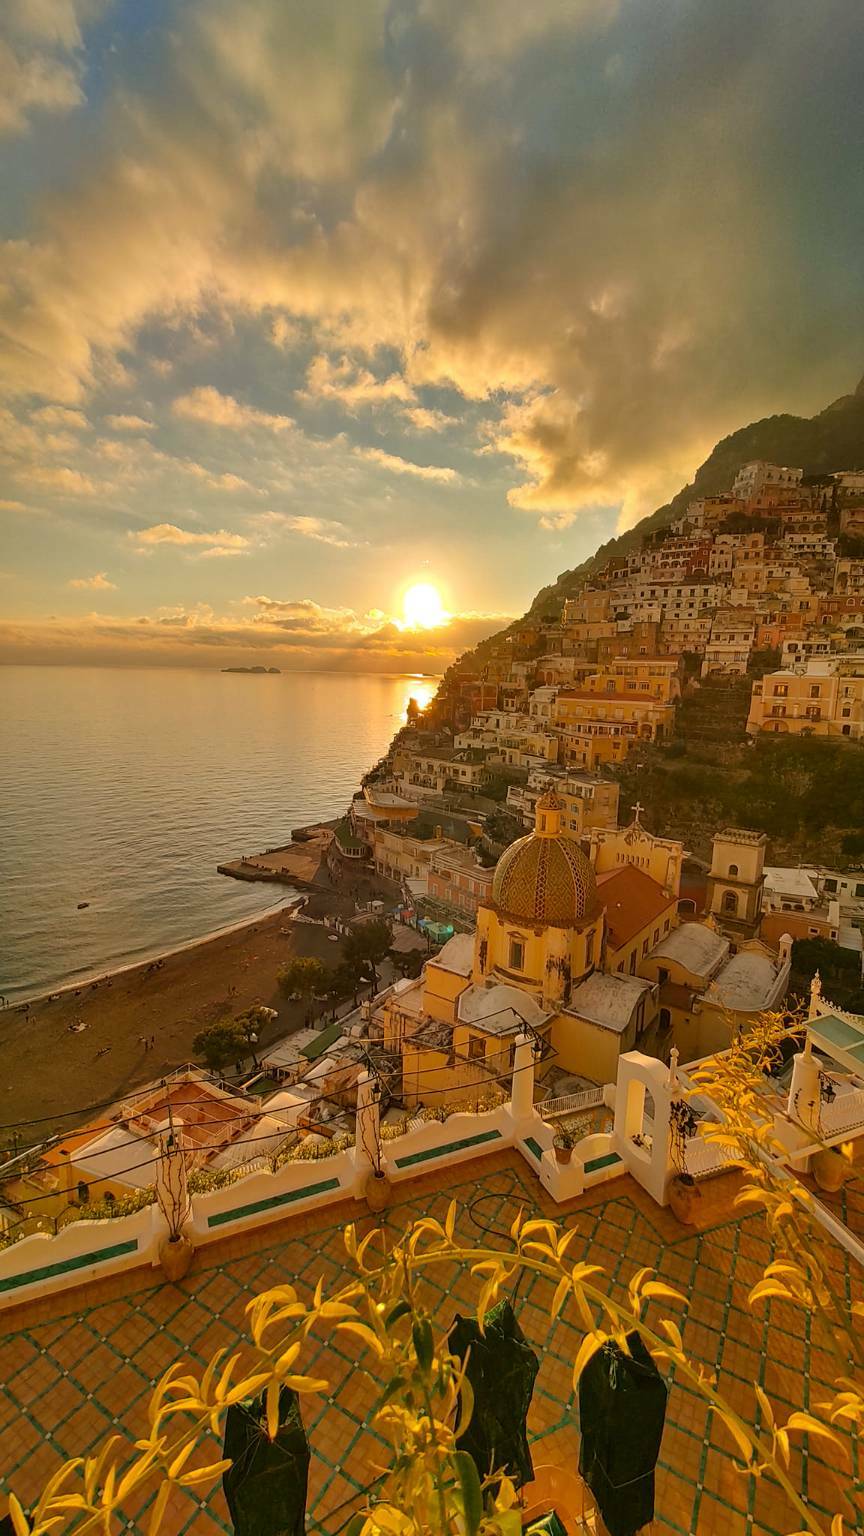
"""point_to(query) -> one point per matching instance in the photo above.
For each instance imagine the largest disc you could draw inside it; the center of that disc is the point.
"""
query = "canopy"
(622, 1409)
(265, 1487)
(501, 1370)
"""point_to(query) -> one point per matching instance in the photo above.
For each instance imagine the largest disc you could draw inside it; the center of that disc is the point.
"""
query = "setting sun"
(422, 607)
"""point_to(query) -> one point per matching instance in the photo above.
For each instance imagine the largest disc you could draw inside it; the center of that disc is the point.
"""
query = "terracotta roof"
(632, 901)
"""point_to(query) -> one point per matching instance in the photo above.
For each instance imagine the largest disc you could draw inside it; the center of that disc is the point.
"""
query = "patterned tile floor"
(80, 1366)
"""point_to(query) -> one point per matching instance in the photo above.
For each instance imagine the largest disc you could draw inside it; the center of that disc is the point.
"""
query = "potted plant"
(172, 1194)
(563, 1144)
(684, 1193)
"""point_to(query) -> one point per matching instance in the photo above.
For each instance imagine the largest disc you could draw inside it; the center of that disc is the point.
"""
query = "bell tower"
(734, 895)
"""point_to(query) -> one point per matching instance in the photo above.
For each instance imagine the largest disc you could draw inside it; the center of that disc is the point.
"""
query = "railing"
(571, 1103)
(844, 1113)
(702, 1158)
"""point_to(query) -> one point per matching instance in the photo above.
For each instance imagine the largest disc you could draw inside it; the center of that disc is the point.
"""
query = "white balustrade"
(571, 1103)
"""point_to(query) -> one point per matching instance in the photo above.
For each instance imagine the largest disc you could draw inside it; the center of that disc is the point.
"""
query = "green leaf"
(401, 1309)
(424, 1343)
(355, 1525)
(472, 1493)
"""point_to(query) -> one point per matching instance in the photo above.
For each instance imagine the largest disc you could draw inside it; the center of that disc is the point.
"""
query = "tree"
(304, 977)
(252, 1023)
(366, 946)
(221, 1043)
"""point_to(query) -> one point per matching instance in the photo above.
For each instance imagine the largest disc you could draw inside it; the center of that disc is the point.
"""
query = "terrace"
(80, 1366)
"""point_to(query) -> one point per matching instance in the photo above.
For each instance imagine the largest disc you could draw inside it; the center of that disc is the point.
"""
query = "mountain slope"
(831, 440)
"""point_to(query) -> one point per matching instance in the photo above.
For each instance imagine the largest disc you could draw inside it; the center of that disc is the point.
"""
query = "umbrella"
(501, 1370)
(622, 1410)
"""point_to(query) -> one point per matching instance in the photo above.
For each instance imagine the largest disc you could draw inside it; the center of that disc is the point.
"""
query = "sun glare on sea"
(422, 607)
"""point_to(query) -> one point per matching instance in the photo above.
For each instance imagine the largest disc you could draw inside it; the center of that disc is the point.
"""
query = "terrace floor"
(79, 1366)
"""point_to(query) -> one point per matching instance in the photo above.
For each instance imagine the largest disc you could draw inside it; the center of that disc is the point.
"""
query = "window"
(733, 871)
(517, 954)
(830, 885)
(83, 1193)
(730, 903)
(476, 1048)
(815, 691)
(644, 948)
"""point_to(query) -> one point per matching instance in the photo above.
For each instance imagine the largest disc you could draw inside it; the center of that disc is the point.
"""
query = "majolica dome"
(545, 877)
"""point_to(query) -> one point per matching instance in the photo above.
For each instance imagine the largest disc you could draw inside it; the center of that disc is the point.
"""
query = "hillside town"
(541, 980)
(495, 842)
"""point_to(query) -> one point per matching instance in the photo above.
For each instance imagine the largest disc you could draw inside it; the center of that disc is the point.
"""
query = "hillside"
(831, 440)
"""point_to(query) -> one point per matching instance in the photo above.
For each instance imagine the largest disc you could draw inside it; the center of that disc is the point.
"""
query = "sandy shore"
(48, 1070)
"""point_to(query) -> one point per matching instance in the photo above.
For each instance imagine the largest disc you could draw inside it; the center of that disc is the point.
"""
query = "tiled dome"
(545, 879)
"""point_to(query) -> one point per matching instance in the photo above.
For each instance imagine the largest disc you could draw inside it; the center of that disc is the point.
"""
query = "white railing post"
(522, 1082)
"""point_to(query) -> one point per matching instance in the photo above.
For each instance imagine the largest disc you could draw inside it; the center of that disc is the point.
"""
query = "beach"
(53, 1074)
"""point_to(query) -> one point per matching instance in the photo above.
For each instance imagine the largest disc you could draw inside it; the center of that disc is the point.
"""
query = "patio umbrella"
(265, 1487)
(622, 1409)
(501, 1370)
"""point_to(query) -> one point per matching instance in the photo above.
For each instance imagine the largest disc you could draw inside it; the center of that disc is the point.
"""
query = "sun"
(423, 608)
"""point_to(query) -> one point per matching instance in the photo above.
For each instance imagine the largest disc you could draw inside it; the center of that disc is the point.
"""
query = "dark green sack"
(622, 1410)
(501, 1369)
(265, 1487)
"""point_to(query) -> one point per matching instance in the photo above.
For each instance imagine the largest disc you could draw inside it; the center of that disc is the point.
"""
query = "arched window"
(730, 903)
(733, 871)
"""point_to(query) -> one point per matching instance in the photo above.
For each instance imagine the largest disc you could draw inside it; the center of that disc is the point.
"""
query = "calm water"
(125, 788)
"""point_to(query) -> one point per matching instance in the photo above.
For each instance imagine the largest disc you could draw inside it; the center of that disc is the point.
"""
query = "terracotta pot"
(684, 1199)
(377, 1191)
(830, 1170)
(563, 1154)
(175, 1256)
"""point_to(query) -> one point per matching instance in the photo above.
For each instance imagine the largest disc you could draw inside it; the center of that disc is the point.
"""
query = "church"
(581, 947)
(549, 957)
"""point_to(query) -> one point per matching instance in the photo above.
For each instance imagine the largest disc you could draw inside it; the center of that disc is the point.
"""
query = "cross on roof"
(637, 810)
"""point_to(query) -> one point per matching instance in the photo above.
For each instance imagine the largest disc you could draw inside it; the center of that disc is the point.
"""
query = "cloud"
(216, 545)
(7, 505)
(62, 480)
(399, 466)
(352, 385)
(427, 420)
(61, 416)
(609, 224)
(97, 583)
(319, 529)
(40, 63)
(128, 423)
(218, 410)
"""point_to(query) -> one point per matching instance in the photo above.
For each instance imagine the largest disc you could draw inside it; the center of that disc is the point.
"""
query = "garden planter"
(830, 1170)
(685, 1198)
(175, 1256)
(377, 1191)
(562, 1154)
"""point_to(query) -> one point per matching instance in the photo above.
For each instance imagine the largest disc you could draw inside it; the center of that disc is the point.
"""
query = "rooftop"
(607, 1000)
(80, 1366)
(696, 946)
(789, 882)
(499, 1009)
(457, 955)
(747, 982)
(632, 900)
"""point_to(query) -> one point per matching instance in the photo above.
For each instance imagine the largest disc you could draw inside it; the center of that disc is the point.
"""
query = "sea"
(124, 788)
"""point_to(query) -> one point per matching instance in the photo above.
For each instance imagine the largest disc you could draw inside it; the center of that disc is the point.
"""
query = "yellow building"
(825, 698)
(611, 848)
(535, 963)
(642, 715)
(640, 677)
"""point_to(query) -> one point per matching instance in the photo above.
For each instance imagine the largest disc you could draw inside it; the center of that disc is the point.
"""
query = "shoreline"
(91, 979)
(95, 1042)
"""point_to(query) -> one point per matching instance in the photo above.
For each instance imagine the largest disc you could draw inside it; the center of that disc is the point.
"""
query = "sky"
(304, 303)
